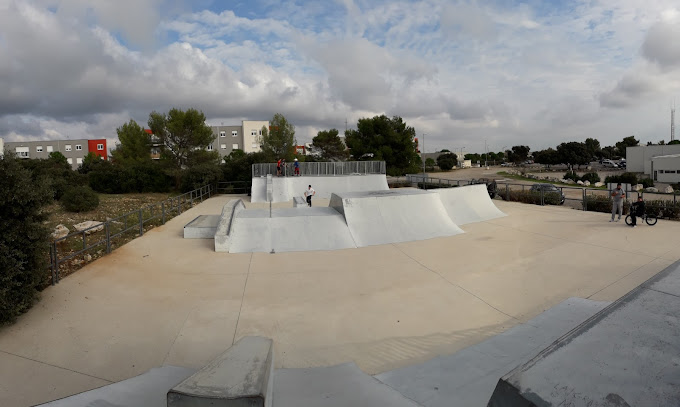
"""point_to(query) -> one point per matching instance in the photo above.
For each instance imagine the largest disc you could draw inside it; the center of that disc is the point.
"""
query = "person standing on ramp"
(309, 192)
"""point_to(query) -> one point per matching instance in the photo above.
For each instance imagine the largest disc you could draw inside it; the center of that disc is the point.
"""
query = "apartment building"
(74, 150)
(245, 137)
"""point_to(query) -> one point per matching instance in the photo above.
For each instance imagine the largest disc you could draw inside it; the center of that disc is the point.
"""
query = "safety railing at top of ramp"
(321, 168)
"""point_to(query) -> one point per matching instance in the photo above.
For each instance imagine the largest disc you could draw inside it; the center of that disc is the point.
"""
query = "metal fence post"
(542, 197)
(53, 261)
(141, 223)
(585, 200)
(84, 241)
(163, 212)
(507, 192)
(108, 238)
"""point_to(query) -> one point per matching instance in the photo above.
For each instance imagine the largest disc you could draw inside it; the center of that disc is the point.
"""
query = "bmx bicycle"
(649, 219)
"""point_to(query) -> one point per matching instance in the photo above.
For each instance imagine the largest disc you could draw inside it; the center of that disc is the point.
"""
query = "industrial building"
(659, 162)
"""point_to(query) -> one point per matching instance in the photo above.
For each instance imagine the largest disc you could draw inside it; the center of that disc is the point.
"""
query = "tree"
(182, 134)
(279, 140)
(593, 147)
(382, 138)
(330, 145)
(518, 154)
(23, 237)
(672, 142)
(621, 146)
(446, 161)
(58, 158)
(445, 151)
(429, 163)
(90, 162)
(135, 144)
(547, 157)
(573, 152)
(609, 152)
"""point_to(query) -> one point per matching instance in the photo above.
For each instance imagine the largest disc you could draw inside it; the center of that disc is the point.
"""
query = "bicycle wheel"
(628, 220)
(651, 220)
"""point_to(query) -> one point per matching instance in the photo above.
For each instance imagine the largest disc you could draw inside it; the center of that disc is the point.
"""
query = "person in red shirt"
(278, 167)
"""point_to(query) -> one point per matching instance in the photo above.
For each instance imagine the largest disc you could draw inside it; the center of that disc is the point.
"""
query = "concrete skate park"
(493, 307)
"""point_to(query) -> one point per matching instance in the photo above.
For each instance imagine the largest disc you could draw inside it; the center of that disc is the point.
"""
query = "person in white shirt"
(309, 192)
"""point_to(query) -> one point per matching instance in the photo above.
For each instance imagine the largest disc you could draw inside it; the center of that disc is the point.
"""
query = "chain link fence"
(321, 168)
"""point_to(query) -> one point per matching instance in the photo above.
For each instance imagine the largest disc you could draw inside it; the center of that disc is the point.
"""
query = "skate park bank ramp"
(469, 204)
(284, 189)
(394, 216)
(289, 229)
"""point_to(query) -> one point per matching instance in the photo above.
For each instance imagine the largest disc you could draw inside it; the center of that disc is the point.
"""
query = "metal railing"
(233, 187)
(129, 225)
(321, 168)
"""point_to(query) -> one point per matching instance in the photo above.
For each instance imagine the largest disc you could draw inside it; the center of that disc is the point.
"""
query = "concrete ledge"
(202, 227)
(299, 202)
(241, 376)
(223, 233)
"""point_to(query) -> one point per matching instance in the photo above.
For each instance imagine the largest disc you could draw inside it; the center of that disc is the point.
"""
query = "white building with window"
(245, 137)
(74, 150)
(650, 160)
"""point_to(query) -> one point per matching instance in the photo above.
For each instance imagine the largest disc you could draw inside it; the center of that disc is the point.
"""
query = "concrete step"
(626, 355)
(148, 389)
(240, 376)
(468, 377)
(336, 386)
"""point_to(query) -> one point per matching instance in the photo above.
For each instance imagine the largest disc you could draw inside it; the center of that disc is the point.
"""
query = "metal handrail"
(329, 168)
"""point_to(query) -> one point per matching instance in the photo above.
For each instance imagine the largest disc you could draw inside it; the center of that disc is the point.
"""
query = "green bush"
(592, 177)
(80, 199)
(625, 178)
(200, 175)
(571, 175)
(663, 208)
(602, 203)
(646, 182)
(531, 197)
(446, 161)
(24, 240)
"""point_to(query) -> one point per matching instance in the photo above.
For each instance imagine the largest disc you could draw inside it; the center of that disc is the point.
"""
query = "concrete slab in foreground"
(470, 375)
(626, 355)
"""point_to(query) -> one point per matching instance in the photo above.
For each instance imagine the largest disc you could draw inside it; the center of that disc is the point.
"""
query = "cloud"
(662, 44)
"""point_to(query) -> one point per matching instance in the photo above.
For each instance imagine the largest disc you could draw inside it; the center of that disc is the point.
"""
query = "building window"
(234, 146)
(253, 133)
(210, 147)
(223, 146)
(254, 145)
(22, 152)
(223, 134)
(67, 147)
(79, 160)
(49, 149)
(234, 133)
(260, 132)
(100, 147)
(79, 147)
(69, 160)
(154, 151)
(38, 149)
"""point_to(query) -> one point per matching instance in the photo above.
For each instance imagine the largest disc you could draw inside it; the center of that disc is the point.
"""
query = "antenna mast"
(673, 121)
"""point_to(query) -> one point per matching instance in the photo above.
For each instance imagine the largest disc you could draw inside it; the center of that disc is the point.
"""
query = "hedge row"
(531, 197)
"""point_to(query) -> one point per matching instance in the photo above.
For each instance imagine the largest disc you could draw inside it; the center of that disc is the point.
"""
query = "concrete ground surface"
(164, 300)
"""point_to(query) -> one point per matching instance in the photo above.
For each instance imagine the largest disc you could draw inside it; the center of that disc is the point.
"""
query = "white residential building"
(245, 137)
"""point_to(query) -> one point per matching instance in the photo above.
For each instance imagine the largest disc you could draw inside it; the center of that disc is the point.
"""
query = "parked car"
(548, 189)
(609, 164)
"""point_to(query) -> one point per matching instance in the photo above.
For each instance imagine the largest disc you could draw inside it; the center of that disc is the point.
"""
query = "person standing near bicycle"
(636, 210)
(617, 201)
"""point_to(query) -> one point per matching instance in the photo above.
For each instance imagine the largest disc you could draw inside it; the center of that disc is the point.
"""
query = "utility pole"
(486, 155)
(423, 156)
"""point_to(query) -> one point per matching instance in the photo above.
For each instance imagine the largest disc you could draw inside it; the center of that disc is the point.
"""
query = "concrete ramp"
(284, 189)
(469, 204)
(626, 355)
(290, 229)
(393, 216)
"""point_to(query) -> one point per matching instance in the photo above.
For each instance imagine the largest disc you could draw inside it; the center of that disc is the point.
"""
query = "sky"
(464, 74)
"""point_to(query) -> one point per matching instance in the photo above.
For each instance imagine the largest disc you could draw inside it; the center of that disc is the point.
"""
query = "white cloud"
(461, 72)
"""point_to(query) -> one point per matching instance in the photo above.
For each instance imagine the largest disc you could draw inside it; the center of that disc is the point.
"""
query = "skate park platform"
(203, 227)
(156, 302)
(353, 219)
(284, 189)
